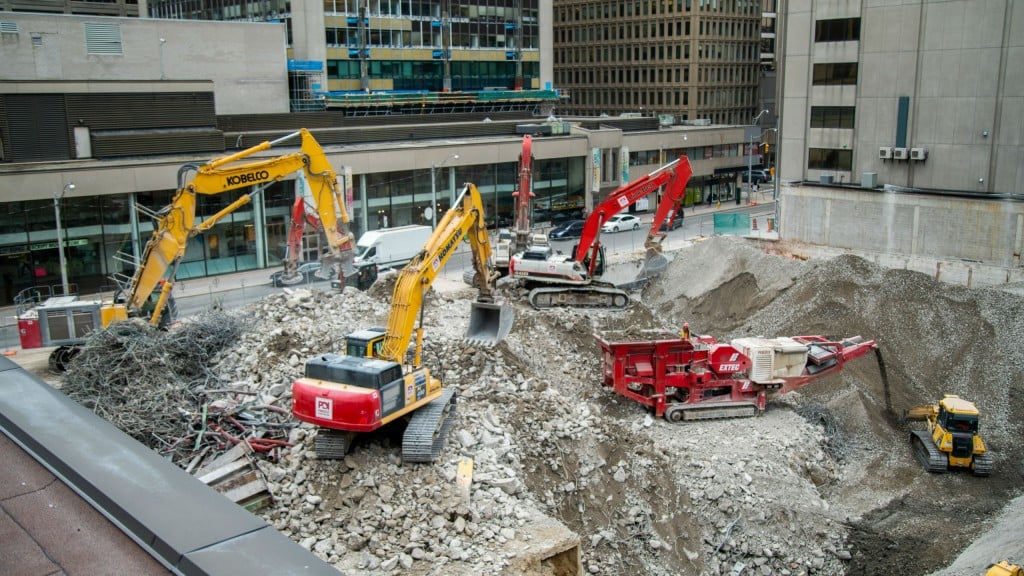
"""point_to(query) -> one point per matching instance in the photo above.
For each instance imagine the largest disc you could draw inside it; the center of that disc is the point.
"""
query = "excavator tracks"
(926, 452)
(589, 297)
(332, 444)
(717, 411)
(428, 428)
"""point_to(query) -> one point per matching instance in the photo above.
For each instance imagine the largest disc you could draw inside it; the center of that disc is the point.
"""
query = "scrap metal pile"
(157, 387)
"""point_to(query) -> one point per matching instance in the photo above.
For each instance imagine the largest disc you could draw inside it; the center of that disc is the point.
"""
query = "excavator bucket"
(489, 323)
(342, 259)
(654, 263)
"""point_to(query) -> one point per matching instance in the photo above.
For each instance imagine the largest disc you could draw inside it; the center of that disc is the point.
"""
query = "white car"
(621, 222)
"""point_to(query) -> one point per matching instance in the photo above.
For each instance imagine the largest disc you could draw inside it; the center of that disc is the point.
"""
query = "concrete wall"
(247, 62)
(957, 61)
(906, 226)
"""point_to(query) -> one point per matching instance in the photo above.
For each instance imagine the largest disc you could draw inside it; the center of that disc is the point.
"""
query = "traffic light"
(765, 147)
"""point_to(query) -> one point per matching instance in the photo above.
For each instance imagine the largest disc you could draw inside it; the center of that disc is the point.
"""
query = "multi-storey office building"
(692, 59)
(918, 105)
(120, 123)
(396, 44)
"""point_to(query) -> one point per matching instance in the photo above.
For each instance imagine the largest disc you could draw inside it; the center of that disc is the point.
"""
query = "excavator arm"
(176, 223)
(523, 195)
(671, 199)
(622, 198)
(488, 320)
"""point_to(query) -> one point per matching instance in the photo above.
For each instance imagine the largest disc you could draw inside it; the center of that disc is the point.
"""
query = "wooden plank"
(246, 491)
(224, 471)
(232, 454)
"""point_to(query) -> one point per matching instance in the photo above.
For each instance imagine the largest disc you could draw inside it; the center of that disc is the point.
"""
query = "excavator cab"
(365, 343)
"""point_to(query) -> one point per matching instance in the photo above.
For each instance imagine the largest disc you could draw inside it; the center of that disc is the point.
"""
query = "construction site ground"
(566, 473)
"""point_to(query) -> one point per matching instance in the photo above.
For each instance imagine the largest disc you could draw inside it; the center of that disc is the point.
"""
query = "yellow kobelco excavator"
(372, 384)
(147, 293)
(951, 439)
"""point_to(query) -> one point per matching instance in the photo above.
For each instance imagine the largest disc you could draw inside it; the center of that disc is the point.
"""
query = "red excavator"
(518, 239)
(696, 377)
(540, 266)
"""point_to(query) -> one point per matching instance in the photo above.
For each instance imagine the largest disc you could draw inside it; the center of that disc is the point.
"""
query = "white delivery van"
(390, 247)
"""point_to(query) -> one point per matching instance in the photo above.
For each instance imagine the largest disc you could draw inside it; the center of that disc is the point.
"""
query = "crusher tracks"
(603, 296)
(717, 411)
(428, 429)
(926, 452)
(332, 444)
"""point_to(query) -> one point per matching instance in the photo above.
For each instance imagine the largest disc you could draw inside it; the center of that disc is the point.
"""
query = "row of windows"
(622, 76)
(833, 116)
(735, 75)
(836, 73)
(608, 10)
(628, 100)
(481, 10)
(631, 100)
(838, 30)
(656, 29)
(407, 70)
(422, 35)
(730, 52)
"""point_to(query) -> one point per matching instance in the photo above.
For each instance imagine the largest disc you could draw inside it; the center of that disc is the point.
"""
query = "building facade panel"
(246, 60)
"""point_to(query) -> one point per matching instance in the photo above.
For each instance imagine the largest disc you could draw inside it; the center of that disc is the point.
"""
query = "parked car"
(621, 222)
(306, 274)
(758, 176)
(566, 230)
(672, 222)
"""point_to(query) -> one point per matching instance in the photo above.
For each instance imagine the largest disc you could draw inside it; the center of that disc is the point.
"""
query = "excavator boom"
(372, 384)
(489, 322)
(176, 223)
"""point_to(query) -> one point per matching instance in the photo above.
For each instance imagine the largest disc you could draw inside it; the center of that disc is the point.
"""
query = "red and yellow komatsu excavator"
(147, 293)
(372, 384)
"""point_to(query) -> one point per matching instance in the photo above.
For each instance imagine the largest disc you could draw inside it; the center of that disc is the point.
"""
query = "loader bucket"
(489, 323)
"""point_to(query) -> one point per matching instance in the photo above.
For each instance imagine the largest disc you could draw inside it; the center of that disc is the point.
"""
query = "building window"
(832, 116)
(836, 73)
(838, 30)
(829, 159)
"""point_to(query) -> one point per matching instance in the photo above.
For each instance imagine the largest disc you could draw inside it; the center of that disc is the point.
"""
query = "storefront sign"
(52, 245)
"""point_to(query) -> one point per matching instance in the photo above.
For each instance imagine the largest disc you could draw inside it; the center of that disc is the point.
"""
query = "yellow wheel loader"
(951, 438)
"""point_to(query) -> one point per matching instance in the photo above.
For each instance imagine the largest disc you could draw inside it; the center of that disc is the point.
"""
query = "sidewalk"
(240, 280)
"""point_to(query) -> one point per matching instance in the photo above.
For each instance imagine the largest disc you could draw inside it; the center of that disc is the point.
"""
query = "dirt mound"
(934, 339)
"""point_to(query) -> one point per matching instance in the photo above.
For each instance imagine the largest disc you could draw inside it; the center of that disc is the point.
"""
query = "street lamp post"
(433, 189)
(60, 237)
(750, 151)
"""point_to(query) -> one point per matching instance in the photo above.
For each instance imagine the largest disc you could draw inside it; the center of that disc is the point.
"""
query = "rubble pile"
(544, 436)
(823, 483)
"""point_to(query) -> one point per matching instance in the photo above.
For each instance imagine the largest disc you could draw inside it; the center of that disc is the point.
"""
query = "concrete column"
(259, 222)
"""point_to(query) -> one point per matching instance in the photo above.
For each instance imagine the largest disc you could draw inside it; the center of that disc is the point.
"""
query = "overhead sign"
(52, 245)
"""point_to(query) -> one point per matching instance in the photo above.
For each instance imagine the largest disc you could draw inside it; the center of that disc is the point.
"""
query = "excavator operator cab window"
(356, 348)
